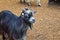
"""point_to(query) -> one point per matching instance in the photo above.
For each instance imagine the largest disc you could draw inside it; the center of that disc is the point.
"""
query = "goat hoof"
(39, 5)
(24, 2)
(20, 1)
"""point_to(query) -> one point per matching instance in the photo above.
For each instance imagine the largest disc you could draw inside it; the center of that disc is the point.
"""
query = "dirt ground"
(47, 25)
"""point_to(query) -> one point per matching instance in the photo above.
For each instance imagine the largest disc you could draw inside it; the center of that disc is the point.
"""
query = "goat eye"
(22, 13)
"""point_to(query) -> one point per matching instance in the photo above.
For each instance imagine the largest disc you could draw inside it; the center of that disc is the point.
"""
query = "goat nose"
(33, 20)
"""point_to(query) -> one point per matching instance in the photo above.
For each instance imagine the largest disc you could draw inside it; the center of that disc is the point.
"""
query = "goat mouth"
(32, 22)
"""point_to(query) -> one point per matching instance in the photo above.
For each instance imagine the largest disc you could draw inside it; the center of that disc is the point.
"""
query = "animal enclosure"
(47, 25)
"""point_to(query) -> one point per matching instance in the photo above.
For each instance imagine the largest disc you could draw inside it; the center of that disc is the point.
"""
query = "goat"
(16, 26)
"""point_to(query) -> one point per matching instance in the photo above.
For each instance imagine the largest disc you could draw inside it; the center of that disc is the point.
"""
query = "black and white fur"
(16, 26)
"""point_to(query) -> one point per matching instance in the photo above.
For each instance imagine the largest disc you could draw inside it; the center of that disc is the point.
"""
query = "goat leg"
(3, 36)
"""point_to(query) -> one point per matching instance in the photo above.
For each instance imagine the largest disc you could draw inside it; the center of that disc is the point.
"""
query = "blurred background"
(47, 25)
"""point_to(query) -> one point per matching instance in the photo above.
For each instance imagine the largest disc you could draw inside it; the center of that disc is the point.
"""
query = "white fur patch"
(28, 11)
(31, 19)
(22, 13)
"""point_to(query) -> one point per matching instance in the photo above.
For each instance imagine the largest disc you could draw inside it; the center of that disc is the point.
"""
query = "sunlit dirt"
(47, 25)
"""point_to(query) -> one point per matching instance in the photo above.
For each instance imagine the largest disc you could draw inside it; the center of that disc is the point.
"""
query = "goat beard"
(30, 25)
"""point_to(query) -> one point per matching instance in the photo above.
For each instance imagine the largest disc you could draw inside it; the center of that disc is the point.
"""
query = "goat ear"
(34, 12)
